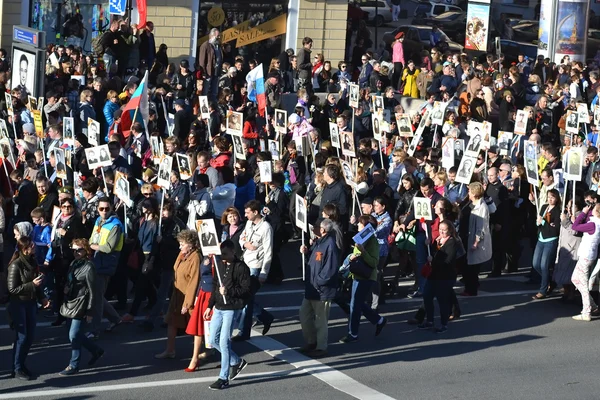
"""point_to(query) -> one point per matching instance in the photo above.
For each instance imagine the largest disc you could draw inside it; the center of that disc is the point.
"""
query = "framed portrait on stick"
(164, 172)
(207, 233)
(465, 169)
(301, 213)
(422, 207)
(573, 164)
(183, 163)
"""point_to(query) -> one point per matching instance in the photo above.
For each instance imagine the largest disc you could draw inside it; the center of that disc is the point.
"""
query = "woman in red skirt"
(196, 324)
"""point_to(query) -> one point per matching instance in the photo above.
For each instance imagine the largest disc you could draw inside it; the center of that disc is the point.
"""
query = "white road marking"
(139, 385)
(49, 324)
(323, 372)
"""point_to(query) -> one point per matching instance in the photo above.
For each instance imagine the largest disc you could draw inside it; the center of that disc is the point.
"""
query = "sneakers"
(425, 325)
(441, 329)
(112, 326)
(127, 318)
(69, 371)
(219, 384)
(414, 294)
(582, 317)
(235, 370)
(92, 336)
(380, 326)
(22, 375)
(348, 339)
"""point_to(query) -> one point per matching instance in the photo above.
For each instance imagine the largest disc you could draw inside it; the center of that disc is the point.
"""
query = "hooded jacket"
(236, 280)
(108, 235)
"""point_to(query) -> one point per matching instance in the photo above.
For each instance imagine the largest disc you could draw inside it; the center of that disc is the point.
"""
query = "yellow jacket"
(410, 83)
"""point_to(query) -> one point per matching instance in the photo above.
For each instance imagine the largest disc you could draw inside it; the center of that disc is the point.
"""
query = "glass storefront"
(256, 13)
(68, 22)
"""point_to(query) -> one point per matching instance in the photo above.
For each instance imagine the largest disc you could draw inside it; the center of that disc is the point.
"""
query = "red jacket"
(221, 160)
(249, 131)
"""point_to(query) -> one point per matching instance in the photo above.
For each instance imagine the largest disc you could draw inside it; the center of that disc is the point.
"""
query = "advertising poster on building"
(571, 28)
(478, 22)
(547, 13)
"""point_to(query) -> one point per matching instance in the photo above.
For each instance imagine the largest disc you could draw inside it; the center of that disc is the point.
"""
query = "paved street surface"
(504, 346)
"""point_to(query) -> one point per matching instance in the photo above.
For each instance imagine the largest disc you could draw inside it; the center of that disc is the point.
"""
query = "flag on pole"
(142, 10)
(139, 103)
(256, 88)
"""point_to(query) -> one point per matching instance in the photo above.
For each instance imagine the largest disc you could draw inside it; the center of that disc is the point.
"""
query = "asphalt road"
(505, 345)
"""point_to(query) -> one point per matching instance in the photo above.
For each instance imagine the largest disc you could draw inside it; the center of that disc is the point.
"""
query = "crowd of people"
(386, 195)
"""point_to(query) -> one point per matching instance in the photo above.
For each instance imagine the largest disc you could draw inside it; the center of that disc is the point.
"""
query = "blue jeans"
(23, 314)
(221, 326)
(78, 339)
(358, 307)
(443, 291)
(252, 309)
(543, 256)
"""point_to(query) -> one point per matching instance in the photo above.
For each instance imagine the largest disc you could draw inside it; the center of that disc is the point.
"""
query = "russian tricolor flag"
(138, 103)
(256, 88)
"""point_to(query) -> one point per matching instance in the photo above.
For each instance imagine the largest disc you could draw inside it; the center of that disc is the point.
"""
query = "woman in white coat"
(479, 245)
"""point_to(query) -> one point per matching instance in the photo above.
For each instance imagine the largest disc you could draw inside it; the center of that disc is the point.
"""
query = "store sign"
(235, 32)
(216, 16)
(274, 27)
(229, 35)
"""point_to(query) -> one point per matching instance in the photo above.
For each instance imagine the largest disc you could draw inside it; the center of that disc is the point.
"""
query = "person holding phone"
(25, 290)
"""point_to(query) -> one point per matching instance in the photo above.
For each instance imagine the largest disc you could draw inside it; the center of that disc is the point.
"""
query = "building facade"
(183, 24)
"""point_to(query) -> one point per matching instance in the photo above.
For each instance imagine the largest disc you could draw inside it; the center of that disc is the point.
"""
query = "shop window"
(70, 23)
(238, 12)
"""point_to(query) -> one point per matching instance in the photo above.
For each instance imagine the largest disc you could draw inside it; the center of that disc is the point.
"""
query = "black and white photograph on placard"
(301, 213)
(439, 109)
(235, 123)
(474, 145)
(274, 149)
(164, 172)
(597, 115)
(24, 69)
(185, 169)
(9, 103)
(465, 169)
(68, 130)
(572, 123)
(583, 113)
(348, 144)
(376, 123)
(61, 166)
(378, 105)
(40, 104)
(238, 148)
(170, 123)
(531, 149)
(265, 170)
(504, 142)
(204, 110)
(404, 125)
(531, 170)
(155, 146)
(281, 121)
(121, 189)
(422, 207)
(33, 103)
(207, 233)
(574, 164)
(3, 129)
(414, 143)
(448, 153)
(459, 150)
(559, 179)
(354, 92)
(334, 134)
(93, 132)
(94, 158)
(521, 122)
(348, 174)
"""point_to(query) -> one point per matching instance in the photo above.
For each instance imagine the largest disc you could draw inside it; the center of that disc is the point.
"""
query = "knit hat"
(29, 128)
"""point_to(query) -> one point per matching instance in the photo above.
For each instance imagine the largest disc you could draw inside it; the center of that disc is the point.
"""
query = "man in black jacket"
(182, 121)
(231, 290)
(25, 198)
(499, 221)
(305, 65)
